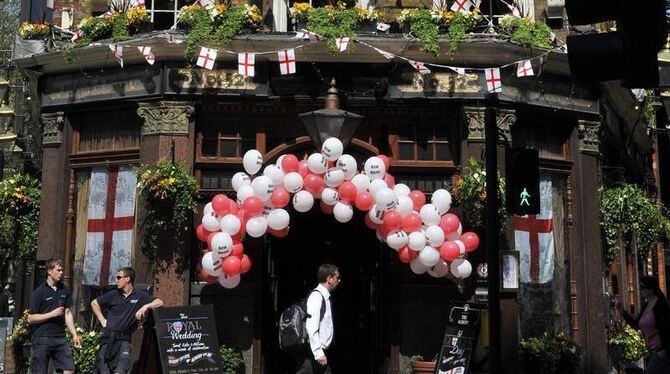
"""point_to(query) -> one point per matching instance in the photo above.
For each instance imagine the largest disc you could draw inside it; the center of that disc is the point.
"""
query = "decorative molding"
(588, 132)
(474, 119)
(52, 129)
(505, 118)
(166, 117)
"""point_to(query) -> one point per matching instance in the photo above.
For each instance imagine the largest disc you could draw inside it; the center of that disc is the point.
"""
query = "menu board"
(460, 339)
(187, 340)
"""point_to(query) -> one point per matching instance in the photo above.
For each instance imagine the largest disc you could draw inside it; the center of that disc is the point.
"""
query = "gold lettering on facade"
(440, 83)
(216, 79)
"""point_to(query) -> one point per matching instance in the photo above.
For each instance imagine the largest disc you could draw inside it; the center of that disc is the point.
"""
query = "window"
(424, 142)
(107, 132)
(164, 12)
(227, 140)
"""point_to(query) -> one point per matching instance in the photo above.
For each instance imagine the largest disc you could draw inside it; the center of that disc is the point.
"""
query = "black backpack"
(293, 335)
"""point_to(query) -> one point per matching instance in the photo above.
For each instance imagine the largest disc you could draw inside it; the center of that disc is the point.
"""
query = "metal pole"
(492, 231)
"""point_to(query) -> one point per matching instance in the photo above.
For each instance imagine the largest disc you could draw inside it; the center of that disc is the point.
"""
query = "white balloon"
(416, 241)
(461, 268)
(263, 187)
(208, 209)
(252, 161)
(440, 270)
(293, 182)
(329, 196)
(334, 177)
(429, 256)
(267, 208)
(211, 265)
(397, 239)
(442, 200)
(275, 174)
(417, 267)
(348, 165)
(317, 163)
(240, 179)
(303, 201)
(279, 160)
(405, 205)
(229, 282)
(429, 215)
(461, 248)
(278, 219)
(257, 226)
(222, 244)
(435, 236)
(332, 148)
(362, 182)
(377, 185)
(230, 224)
(376, 214)
(244, 192)
(210, 222)
(375, 168)
(385, 199)
(343, 212)
(401, 189)
(460, 229)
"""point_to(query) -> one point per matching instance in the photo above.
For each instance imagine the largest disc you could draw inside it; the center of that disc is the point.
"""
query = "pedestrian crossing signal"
(522, 180)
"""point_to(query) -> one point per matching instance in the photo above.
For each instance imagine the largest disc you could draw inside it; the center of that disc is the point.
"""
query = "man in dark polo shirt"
(49, 313)
(125, 307)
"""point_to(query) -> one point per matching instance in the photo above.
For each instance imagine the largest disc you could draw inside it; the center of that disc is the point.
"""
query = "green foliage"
(469, 193)
(20, 214)
(460, 24)
(426, 27)
(85, 357)
(526, 32)
(94, 28)
(18, 339)
(628, 216)
(332, 23)
(202, 29)
(628, 341)
(648, 111)
(10, 11)
(551, 353)
(119, 26)
(169, 192)
(231, 360)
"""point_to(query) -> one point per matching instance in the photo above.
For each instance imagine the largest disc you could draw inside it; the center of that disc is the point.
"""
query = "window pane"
(163, 20)
(229, 130)
(443, 151)
(247, 145)
(425, 151)
(163, 4)
(228, 148)
(209, 147)
(406, 151)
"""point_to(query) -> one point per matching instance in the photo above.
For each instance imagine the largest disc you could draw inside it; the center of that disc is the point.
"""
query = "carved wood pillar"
(474, 121)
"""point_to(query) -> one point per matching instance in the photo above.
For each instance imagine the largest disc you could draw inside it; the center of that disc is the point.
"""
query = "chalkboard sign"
(187, 340)
(460, 338)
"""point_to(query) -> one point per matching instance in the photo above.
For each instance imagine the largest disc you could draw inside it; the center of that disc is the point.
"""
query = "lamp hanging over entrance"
(331, 121)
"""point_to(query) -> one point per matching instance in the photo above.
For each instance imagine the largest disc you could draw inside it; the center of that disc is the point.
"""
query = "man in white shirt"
(319, 324)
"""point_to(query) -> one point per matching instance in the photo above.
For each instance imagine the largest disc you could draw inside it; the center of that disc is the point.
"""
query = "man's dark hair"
(325, 271)
(652, 284)
(129, 272)
(53, 262)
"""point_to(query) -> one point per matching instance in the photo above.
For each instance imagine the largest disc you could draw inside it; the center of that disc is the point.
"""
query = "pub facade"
(98, 117)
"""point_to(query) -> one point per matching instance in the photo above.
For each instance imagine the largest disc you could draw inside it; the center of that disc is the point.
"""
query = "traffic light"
(522, 181)
(630, 53)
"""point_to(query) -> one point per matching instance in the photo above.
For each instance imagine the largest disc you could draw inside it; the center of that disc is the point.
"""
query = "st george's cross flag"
(146, 53)
(117, 50)
(110, 222)
(419, 66)
(534, 239)
(246, 64)
(342, 43)
(286, 61)
(461, 5)
(493, 81)
(524, 69)
(206, 58)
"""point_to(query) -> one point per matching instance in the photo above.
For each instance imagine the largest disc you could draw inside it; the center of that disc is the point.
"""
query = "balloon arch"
(425, 236)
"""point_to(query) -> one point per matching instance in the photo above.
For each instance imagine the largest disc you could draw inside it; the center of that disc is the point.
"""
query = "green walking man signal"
(524, 197)
(522, 176)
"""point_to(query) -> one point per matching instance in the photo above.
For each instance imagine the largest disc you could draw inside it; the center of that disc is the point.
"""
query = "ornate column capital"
(474, 119)
(588, 132)
(52, 129)
(166, 117)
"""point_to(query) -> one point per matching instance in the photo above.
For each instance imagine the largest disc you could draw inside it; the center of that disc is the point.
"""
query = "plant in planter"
(85, 357)
(299, 13)
(459, 25)
(367, 19)
(20, 343)
(20, 212)
(526, 32)
(626, 343)
(469, 193)
(551, 353)
(425, 24)
(332, 22)
(119, 26)
(231, 360)
(29, 30)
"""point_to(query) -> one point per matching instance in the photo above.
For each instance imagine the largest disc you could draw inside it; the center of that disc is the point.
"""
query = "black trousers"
(308, 365)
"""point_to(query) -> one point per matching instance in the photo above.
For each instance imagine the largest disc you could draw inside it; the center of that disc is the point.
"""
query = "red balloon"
(302, 168)
(232, 206)
(313, 183)
(406, 255)
(206, 277)
(241, 215)
(202, 233)
(411, 222)
(280, 197)
(347, 191)
(364, 201)
(387, 162)
(231, 265)
(369, 223)
(449, 223)
(253, 206)
(209, 239)
(471, 241)
(328, 209)
(389, 180)
(289, 163)
(238, 250)
(449, 251)
(278, 233)
(418, 199)
(220, 204)
(392, 220)
(245, 264)
(383, 231)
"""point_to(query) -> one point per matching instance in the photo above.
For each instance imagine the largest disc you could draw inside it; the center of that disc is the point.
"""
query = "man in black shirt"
(50, 306)
(125, 307)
